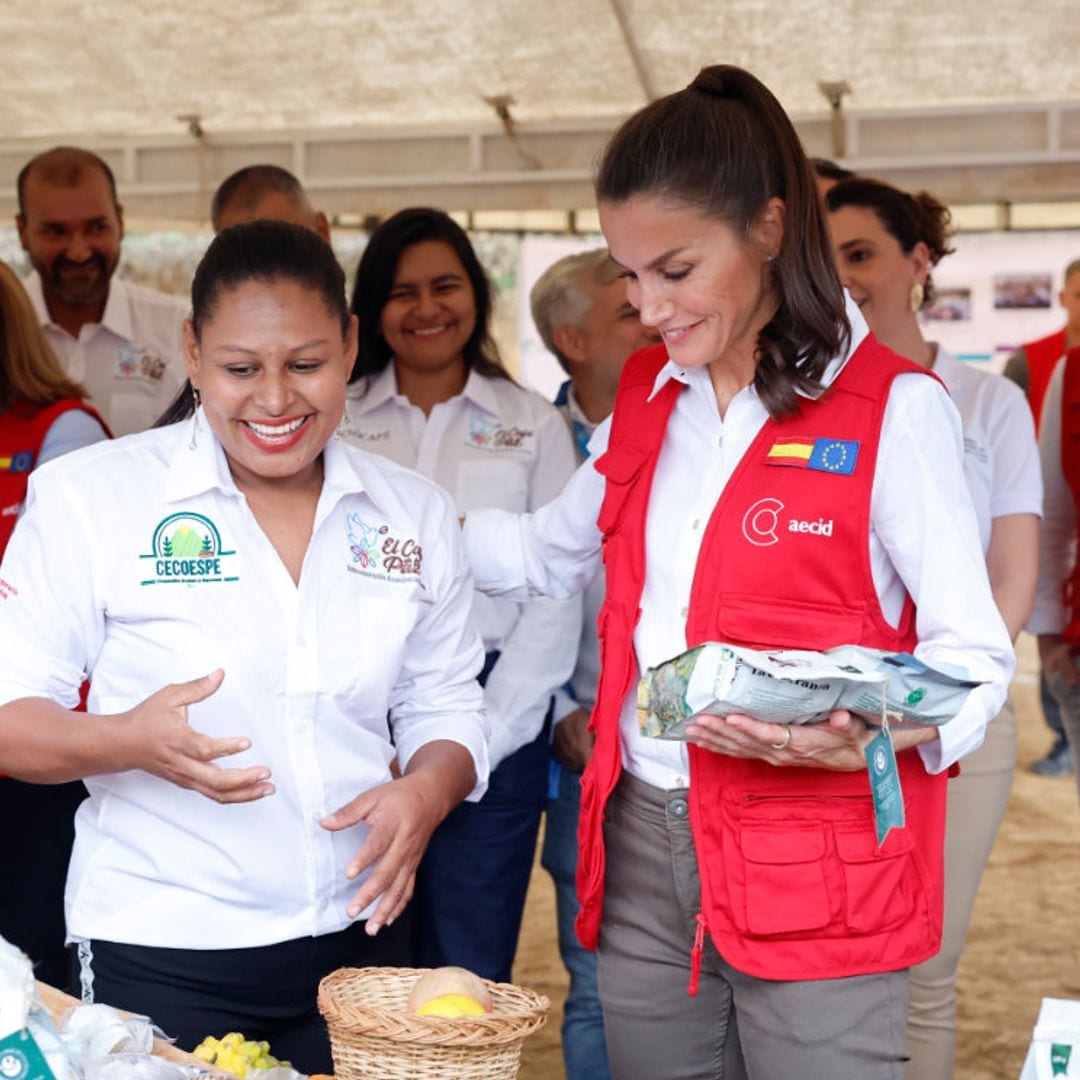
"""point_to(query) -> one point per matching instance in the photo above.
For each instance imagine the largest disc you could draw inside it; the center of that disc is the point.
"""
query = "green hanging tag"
(1059, 1058)
(21, 1058)
(884, 783)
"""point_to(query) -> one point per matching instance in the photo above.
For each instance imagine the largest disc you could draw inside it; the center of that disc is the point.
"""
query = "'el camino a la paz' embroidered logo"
(376, 552)
(186, 549)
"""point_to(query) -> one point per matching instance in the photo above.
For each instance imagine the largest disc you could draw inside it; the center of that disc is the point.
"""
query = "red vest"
(793, 883)
(1042, 357)
(1070, 466)
(23, 427)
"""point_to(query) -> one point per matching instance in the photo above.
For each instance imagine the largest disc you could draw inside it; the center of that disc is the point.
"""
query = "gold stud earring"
(916, 297)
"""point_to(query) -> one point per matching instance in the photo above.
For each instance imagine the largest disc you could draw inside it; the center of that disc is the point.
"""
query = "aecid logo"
(186, 549)
(761, 524)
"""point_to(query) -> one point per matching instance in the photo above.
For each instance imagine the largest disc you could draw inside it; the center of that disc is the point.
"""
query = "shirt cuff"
(493, 546)
(469, 730)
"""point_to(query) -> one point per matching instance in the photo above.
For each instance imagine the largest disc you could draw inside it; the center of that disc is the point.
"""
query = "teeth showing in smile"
(275, 431)
(430, 331)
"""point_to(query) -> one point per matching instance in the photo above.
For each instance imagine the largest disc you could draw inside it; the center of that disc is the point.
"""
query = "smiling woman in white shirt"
(886, 244)
(744, 867)
(267, 618)
(430, 392)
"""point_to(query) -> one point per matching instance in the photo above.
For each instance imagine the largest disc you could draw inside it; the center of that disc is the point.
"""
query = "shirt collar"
(378, 389)
(372, 391)
(859, 331)
(117, 315)
(481, 392)
(576, 412)
(198, 462)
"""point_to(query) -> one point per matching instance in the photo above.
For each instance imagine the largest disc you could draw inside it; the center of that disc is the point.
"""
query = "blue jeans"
(584, 1050)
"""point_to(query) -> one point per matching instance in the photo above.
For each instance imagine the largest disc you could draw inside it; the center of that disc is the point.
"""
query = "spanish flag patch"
(822, 455)
(17, 463)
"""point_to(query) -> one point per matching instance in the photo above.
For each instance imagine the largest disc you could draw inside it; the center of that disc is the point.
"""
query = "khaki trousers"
(737, 1027)
(976, 805)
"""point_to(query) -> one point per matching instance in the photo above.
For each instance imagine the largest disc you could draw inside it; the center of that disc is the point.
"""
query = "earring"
(196, 396)
(916, 297)
(343, 427)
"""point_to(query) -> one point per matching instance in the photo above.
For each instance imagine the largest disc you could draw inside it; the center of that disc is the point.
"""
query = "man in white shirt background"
(581, 312)
(122, 341)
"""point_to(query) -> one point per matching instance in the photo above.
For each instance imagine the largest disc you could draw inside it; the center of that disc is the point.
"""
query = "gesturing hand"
(162, 742)
(401, 816)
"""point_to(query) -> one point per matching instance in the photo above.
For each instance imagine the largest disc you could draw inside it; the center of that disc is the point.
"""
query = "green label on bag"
(884, 784)
(21, 1058)
(1059, 1058)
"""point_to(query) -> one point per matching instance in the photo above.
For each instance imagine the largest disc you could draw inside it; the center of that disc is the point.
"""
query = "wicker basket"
(373, 1038)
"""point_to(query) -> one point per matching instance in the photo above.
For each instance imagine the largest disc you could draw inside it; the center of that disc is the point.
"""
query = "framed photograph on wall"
(949, 305)
(1023, 291)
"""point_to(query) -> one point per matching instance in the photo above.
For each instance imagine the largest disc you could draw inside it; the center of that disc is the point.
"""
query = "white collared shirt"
(131, 363)
(923, 540)
(140, 563)
(586, 674)
(1001, 456)
(495, 445)
(1057, 537)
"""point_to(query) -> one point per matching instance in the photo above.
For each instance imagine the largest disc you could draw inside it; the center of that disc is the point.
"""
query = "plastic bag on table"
(30, 1047)
(141, 1067)
(95, 1031)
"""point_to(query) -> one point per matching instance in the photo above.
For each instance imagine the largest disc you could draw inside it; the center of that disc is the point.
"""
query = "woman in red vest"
(43, 414)
(886, 243)
(745, 866)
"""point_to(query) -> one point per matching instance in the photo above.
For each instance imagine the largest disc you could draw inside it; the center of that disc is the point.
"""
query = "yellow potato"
(448, 980)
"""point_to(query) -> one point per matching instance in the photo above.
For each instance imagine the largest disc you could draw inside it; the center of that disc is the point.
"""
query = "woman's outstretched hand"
(158, 739)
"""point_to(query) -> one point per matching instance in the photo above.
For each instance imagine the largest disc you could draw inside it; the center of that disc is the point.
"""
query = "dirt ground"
(1024, 942)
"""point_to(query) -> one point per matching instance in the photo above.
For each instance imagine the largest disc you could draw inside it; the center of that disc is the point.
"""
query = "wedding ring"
(787, 740)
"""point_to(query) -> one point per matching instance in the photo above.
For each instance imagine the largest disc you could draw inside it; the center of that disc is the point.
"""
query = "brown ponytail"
(724, 146)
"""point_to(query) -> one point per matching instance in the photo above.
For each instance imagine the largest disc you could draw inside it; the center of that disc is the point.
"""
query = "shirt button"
(679, 808)
(684, 612)
(696, 523)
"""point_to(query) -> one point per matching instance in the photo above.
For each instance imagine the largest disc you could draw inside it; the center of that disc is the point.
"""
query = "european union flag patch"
(834, 456)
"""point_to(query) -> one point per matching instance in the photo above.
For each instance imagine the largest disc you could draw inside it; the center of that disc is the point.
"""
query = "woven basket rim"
(395, 1025)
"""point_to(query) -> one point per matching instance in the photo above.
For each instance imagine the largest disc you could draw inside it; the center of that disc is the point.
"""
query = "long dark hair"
(724, 146)
(908, 219)
(264, 251)
(375, 279)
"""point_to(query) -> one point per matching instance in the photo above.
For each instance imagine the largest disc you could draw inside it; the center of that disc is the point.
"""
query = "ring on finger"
(787, 740)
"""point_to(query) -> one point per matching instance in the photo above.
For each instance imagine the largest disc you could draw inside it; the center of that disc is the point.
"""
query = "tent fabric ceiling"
(127, 68)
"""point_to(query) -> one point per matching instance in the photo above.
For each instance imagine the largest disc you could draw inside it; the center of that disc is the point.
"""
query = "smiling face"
(430, 313)
(72, 235)
(875, 270)
(271, 365)
(702, 287)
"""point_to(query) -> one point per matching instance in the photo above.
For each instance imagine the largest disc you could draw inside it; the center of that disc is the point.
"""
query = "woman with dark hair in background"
(43, 414)
(429, 391)
(886, 244)
(214, 895)
(746, 866)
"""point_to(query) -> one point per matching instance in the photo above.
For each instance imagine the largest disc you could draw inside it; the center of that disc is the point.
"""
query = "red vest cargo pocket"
(785, 881)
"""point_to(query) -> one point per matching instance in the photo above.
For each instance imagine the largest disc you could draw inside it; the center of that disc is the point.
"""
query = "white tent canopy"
(374, 105)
